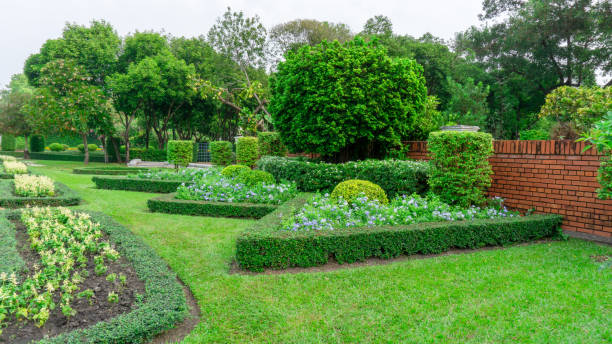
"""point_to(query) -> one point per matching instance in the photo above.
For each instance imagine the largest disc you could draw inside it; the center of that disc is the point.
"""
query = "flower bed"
(183, 174)
(14, 167)
(170, 205)
(7, 158)
(63, 196)
(115, 170)
(274, 242)
(33, 186)
(68, 244)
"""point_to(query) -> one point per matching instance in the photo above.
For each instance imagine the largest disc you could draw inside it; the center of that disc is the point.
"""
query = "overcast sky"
(26, 24)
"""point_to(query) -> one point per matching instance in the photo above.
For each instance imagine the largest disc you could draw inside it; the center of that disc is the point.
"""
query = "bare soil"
(89, 312)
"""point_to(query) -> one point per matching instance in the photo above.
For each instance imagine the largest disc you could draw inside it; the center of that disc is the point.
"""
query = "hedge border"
(170, 205)
(66, 197)
(164, 303)
(137, 184)
(115, 171)
(263, 246)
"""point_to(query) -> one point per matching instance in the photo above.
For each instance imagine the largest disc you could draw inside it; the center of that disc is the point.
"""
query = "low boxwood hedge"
(170, 205)
(263, 246)
(64, 197)
(163, 306)
(136, 184)
(116, 170)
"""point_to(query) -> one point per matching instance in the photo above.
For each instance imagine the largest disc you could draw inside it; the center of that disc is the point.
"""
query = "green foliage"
(253, 177)
(57, 147)
(582, 106)
(292, 35)
(234, 170)
(468, 103)
(13, 118)
(430, 119)
(363, 104)
(8, 142)
(132, 184)
(64, 196)
(460, 170)
(221, 153)
(351, 189)
(247, 151)
(10, 259)
(180, 153)
(170, 205)
(37, 143)
(148, 154)
(270, 144)
(600, 137)
(394, 176)
(115, 170)
(534, 134)
(264, 246)
(91, 147)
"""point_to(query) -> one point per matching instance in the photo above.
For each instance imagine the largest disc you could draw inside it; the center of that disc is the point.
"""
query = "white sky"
(26, 24)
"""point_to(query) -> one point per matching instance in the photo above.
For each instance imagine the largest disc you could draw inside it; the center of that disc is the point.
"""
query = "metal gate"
(203, 152)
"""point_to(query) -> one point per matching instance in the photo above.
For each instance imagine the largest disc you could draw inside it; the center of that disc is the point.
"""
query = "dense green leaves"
(221, 153)
(180, 153)
(346, 101)
(169, 204)
(270, 144)
(247, 151)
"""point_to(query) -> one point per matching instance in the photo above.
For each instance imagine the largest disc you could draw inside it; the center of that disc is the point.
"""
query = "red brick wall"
(550, 177)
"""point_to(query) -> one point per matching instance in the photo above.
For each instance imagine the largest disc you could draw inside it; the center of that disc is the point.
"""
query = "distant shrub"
(8, 142)
(460, 172)
(57, 147)
(234, 170)
(91, 147)
(350, 190)
(221, 153)
(37, 143)
(534, 134)
(253, 177)
(180, 152)
(247, 151)
(270, 144)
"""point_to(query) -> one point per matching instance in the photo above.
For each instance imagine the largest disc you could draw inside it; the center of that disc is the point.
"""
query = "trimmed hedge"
(221, 153)
(147, 154)
(247, 151)
(180, 152)
(37, 143)
(60, 156)
(8, 143)
(136, 184)
(164, 303)
(170, 205)
(116, 170)
(263, 246)
(65, 197)
(396, 177)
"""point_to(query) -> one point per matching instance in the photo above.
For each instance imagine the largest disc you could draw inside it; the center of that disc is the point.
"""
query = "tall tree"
(139, 46)
(12, 115)
(296, 33)
(378, 25)
(67, 102)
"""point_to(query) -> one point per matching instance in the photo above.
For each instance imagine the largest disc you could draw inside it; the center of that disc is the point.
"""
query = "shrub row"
(221, 153)
(146, 154)
(136, 184)
(263, 246)
(64, 197)
(168, 204)
(396, 177)
(115, 170)
(60, 156)
(164, 303)
(7, 143)
(180, 152)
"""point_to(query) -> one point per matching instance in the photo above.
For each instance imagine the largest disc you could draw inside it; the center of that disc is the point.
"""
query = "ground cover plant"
(484, 296)
(33, 186)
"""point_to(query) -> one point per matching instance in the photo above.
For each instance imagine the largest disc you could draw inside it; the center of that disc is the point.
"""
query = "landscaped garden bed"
(81, 277)
(115, 170)
(10, 167)
(152, 180)
(27, 190)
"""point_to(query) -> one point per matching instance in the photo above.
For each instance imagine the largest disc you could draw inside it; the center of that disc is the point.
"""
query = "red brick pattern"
(549, 177)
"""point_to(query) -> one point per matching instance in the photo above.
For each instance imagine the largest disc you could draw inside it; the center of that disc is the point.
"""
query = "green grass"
(540, 293)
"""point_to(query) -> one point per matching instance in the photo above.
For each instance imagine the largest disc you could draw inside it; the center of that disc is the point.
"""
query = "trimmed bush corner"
(169, 204)
(180, 153)
(133, 184)
(264, 246)
(64, 197)
(247, 151)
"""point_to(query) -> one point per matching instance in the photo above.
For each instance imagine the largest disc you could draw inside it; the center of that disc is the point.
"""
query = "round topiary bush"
(57, 147)
(91, 147)
(253, 177)
(234, 170)
(349, 190)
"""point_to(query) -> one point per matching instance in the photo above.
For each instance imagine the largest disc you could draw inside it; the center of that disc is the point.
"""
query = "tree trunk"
(103, 140)
(86, 160)
(117, 150)
(26, 152)
(147, 134)
(126, 137)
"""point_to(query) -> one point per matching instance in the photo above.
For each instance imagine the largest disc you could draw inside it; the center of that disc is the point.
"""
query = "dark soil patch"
(600, 259)
(88, 313)
(334, 265)
(181, 330)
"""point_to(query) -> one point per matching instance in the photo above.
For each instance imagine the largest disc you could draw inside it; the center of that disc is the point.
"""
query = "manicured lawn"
(539, 293)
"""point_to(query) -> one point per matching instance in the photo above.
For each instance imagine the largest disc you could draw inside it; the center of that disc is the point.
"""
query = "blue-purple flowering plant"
(326, 213)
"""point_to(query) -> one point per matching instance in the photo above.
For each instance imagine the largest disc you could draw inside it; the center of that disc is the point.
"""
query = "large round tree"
(347, 101)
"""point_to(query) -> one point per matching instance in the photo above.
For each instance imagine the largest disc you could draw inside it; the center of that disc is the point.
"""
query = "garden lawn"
(539, 293)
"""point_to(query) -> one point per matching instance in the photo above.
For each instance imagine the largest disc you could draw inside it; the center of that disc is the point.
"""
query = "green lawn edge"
(170, 205)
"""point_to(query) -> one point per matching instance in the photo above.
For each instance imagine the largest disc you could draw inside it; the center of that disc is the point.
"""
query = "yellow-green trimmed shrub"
(247, 151)
(180, 152)
(460, 171)
(57, 147)
(253, 177)
(91, 147)
(234, 170)
(351, 189)
(221, 153)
